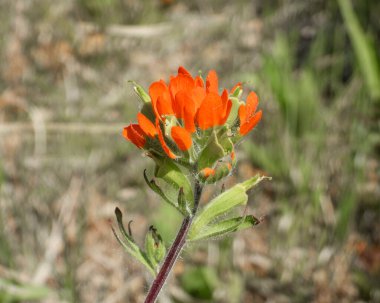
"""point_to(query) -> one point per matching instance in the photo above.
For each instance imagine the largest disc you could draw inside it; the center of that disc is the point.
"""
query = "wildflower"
(190, 129)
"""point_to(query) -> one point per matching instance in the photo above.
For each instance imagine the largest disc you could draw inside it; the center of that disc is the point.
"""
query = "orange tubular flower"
(247, 114)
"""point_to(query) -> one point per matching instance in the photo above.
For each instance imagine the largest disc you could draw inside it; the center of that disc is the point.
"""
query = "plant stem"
(174, 250)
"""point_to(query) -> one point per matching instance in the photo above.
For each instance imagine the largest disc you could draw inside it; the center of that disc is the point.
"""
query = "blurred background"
(64, 166)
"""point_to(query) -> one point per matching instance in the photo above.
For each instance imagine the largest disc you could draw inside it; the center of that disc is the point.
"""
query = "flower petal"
(135, 134)
(198, 94)
(164, 106)
(146, 125)
(225, 108)
(158, 90)
(212, 82)
(185, 109)
(165, 147)
(242, 114)
(252, 103)
(228, 110)
(209, 111)
(181, 137)
(179, 83)
(251, 123)
(199, 82)
(182, 70)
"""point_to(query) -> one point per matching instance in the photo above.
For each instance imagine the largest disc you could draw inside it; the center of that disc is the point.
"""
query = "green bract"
(211, 153)
(140, 92)
(167, 170)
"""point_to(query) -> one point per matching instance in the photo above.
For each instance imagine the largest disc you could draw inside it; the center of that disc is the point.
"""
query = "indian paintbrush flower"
(190, 129)
(188, 120)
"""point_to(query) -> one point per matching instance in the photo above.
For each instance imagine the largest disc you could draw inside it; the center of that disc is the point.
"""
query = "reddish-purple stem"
(174, 250)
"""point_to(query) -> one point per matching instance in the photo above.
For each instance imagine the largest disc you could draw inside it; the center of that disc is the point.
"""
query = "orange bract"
(214, 110)
(181, 137)
(160, 97)
(146, 125)
(247, 114)
(185, 109)
(135, 134)
(161, 138)
(207, 172)
(212, 82)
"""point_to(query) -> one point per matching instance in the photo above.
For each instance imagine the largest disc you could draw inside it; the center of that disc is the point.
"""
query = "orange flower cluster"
(185, 108)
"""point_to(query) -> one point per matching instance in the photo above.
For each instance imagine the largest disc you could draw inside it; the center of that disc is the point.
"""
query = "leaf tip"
(118, 213)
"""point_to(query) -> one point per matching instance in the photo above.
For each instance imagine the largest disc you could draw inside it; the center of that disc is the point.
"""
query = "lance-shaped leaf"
(225, 227)
(153, 186)
(154, 247)
(172, 174)
(140, 92)
(248, 184)
(129, 244)
(224, 203)
(211, 153)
